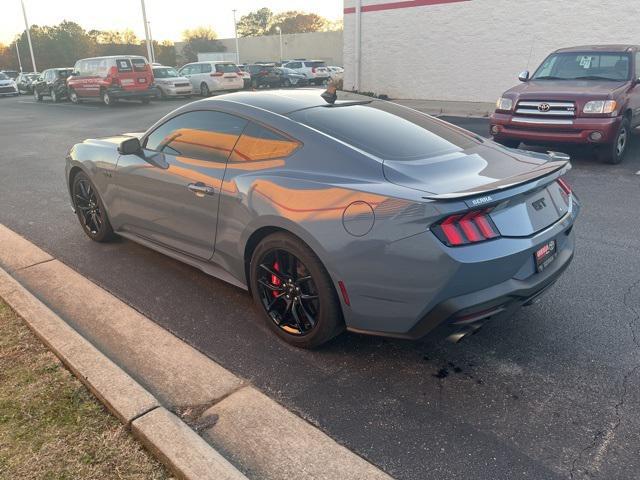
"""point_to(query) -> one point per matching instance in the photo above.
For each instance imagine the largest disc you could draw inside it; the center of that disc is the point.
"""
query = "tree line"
(61, 45)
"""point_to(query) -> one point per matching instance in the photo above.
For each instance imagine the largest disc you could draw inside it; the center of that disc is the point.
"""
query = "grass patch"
(51, 427)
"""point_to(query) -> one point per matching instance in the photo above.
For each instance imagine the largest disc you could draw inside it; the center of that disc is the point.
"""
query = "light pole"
(153, 49)
(146, 32)
(18, 52)
(26, 25)
(279, 30)
(235, 29)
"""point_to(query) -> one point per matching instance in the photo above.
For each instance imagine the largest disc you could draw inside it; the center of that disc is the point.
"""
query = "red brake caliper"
(275, 280)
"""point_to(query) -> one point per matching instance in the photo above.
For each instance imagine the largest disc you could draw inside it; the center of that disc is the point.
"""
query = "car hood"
(4, 83)
(481, 169)
(565, 89)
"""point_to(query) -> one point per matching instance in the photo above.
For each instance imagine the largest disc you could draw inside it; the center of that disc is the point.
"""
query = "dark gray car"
(359, 214)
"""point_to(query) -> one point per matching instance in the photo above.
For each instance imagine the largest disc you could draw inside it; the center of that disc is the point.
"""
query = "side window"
(186, 70)
(205, 67)
(202, 135)
(260, 143)
(123, 65)
(295, 65)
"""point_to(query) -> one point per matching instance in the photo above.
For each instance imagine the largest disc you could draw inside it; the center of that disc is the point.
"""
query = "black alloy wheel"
(293, 289)
(615, 153)
(90, 209)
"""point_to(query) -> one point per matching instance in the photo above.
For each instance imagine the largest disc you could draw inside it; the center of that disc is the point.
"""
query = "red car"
(109, 79)
(580, 95)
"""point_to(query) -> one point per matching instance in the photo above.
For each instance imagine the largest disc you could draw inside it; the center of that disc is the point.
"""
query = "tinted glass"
(201, 135)
(124, 65)
(165, 72)
(226, 67)
(585, 66)
(386, 130)
(260, 143)
(64, 73)
(139, 64)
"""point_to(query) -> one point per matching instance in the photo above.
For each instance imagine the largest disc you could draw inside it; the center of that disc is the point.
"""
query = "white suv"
(315, 70)
(207, 77)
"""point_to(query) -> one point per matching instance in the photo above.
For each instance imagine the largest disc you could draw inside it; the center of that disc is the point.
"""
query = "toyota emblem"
(544, 107)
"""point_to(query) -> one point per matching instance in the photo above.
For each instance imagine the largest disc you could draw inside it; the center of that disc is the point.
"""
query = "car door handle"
(200, 189)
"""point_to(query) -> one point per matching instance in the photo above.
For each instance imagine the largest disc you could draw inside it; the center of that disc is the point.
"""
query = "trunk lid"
(512, 183)
(133, 73)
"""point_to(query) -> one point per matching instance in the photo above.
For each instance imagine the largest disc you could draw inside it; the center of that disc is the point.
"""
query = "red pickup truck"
(580, 95)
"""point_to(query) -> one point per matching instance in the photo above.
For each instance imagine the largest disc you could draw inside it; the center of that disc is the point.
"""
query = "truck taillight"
(463, 229)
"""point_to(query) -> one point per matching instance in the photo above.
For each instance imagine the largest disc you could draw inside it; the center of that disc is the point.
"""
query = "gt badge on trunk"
(545, 255)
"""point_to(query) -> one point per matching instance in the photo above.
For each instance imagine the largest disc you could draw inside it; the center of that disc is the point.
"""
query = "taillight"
(217, 74)
(463, 229)
(566, 188)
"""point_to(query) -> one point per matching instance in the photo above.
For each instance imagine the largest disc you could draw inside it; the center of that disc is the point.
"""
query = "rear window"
(226, 68)
(64, 73)
(315, 64)
(139, 64)
(124, 65)
(388, 131)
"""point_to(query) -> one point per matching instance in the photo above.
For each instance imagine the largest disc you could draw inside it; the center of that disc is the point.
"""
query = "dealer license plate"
(545, 255)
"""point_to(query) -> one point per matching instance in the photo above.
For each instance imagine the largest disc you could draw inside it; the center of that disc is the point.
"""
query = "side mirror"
(130, 146)
(524, 76)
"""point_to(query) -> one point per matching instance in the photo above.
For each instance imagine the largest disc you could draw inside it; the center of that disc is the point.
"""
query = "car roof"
(279, 101)
(113, 56)
(599, 48)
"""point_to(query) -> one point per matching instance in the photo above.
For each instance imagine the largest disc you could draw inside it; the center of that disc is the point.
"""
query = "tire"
(107, 99)
(311, 289)
(254, 84)
(160, 94)
(508, 143)
(37, 96)
(286, 83)
(73, 96)
(54, 96)
(90, 210)
(614, 153)
(204, 90)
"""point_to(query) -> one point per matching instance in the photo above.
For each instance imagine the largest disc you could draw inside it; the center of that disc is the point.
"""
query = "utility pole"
(153, 49)
(279, 30)
(146, 32)
(18, 52)
(26, 25)
(235, 29)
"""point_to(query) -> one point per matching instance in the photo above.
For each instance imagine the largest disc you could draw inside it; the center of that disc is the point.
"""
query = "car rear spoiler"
(503, 184)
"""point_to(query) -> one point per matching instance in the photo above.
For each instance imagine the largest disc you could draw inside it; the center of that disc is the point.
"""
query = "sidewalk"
(199, 419)
(454, 109)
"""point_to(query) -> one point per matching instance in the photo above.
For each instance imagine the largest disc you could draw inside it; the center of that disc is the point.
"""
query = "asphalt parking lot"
(552, 393)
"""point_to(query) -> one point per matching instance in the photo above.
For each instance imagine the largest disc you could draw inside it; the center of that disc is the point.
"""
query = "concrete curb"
(169, 438)
(142, 373)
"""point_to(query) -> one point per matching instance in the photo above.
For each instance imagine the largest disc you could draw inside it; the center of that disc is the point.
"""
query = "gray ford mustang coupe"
(350, 213)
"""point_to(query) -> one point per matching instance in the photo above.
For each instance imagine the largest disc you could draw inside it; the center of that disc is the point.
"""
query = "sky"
(168, 18)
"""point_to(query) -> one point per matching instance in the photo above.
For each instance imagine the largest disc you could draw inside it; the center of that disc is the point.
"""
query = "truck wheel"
(107, 99)
(615, 152)
(73, 96)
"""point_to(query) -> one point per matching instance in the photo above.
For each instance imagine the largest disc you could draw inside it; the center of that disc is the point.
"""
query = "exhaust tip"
(462, 333)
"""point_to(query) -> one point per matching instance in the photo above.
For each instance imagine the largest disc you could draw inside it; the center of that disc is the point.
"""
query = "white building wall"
(473, 50)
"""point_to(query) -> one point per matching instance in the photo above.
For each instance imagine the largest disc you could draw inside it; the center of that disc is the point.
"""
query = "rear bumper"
(459, 287)
(505, 126)
(176, 91)
(120, 93)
